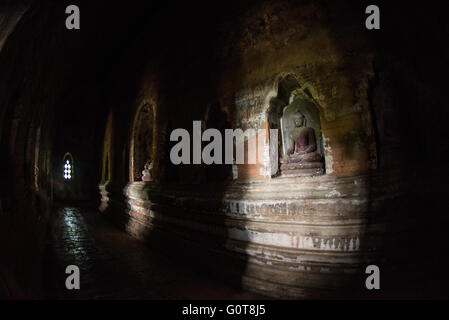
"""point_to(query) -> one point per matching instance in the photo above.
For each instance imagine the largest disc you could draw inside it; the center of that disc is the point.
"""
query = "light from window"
(67, 170)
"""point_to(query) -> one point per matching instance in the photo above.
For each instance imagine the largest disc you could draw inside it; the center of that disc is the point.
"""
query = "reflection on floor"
(113, 265)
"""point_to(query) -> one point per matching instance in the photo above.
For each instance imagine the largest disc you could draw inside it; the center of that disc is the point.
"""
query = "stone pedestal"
(301, 169)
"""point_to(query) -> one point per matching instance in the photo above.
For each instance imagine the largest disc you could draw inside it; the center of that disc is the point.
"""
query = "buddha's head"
(298, 119)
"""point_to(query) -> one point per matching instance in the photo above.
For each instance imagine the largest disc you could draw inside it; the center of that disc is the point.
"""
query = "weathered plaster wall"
(292, 237)
(26, 155)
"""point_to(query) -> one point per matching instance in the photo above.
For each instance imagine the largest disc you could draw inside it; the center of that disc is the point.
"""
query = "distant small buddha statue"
(146, 173)
(301, 157)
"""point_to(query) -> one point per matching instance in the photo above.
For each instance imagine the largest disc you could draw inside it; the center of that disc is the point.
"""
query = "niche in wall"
(299, 150)
(141, 141)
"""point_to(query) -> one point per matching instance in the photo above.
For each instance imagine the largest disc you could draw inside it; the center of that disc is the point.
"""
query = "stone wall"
(50, 104)
(284, 237)
(26, 159)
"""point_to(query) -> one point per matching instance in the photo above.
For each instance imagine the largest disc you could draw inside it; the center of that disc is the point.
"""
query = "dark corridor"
(126, 141)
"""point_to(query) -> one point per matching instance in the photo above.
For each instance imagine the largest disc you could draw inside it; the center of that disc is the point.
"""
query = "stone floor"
(114, 265)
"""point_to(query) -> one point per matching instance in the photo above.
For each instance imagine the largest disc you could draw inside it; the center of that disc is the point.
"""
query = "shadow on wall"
(184, 216)
(181, 212)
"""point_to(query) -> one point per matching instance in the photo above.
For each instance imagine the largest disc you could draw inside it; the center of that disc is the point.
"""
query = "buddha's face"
(298, 120)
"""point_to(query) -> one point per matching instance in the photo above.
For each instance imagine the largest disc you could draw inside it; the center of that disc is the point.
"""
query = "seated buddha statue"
(146, 173)
(301, 157)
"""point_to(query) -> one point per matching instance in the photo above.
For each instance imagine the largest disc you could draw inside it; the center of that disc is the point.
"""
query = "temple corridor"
(113, 265)
(276, 149)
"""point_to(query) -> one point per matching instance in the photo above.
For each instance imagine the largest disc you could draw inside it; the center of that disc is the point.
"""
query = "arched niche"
(291, 100)
(142, 140)
(215, 117)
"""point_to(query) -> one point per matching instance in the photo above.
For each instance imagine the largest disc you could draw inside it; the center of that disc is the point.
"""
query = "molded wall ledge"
(288, 237)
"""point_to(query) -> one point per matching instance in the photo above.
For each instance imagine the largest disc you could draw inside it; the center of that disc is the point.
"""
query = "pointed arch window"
(68, 167)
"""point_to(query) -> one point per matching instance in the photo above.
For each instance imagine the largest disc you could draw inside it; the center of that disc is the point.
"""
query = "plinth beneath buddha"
(302, 169)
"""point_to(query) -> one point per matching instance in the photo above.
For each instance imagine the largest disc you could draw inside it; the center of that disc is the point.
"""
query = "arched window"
(68, 166)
